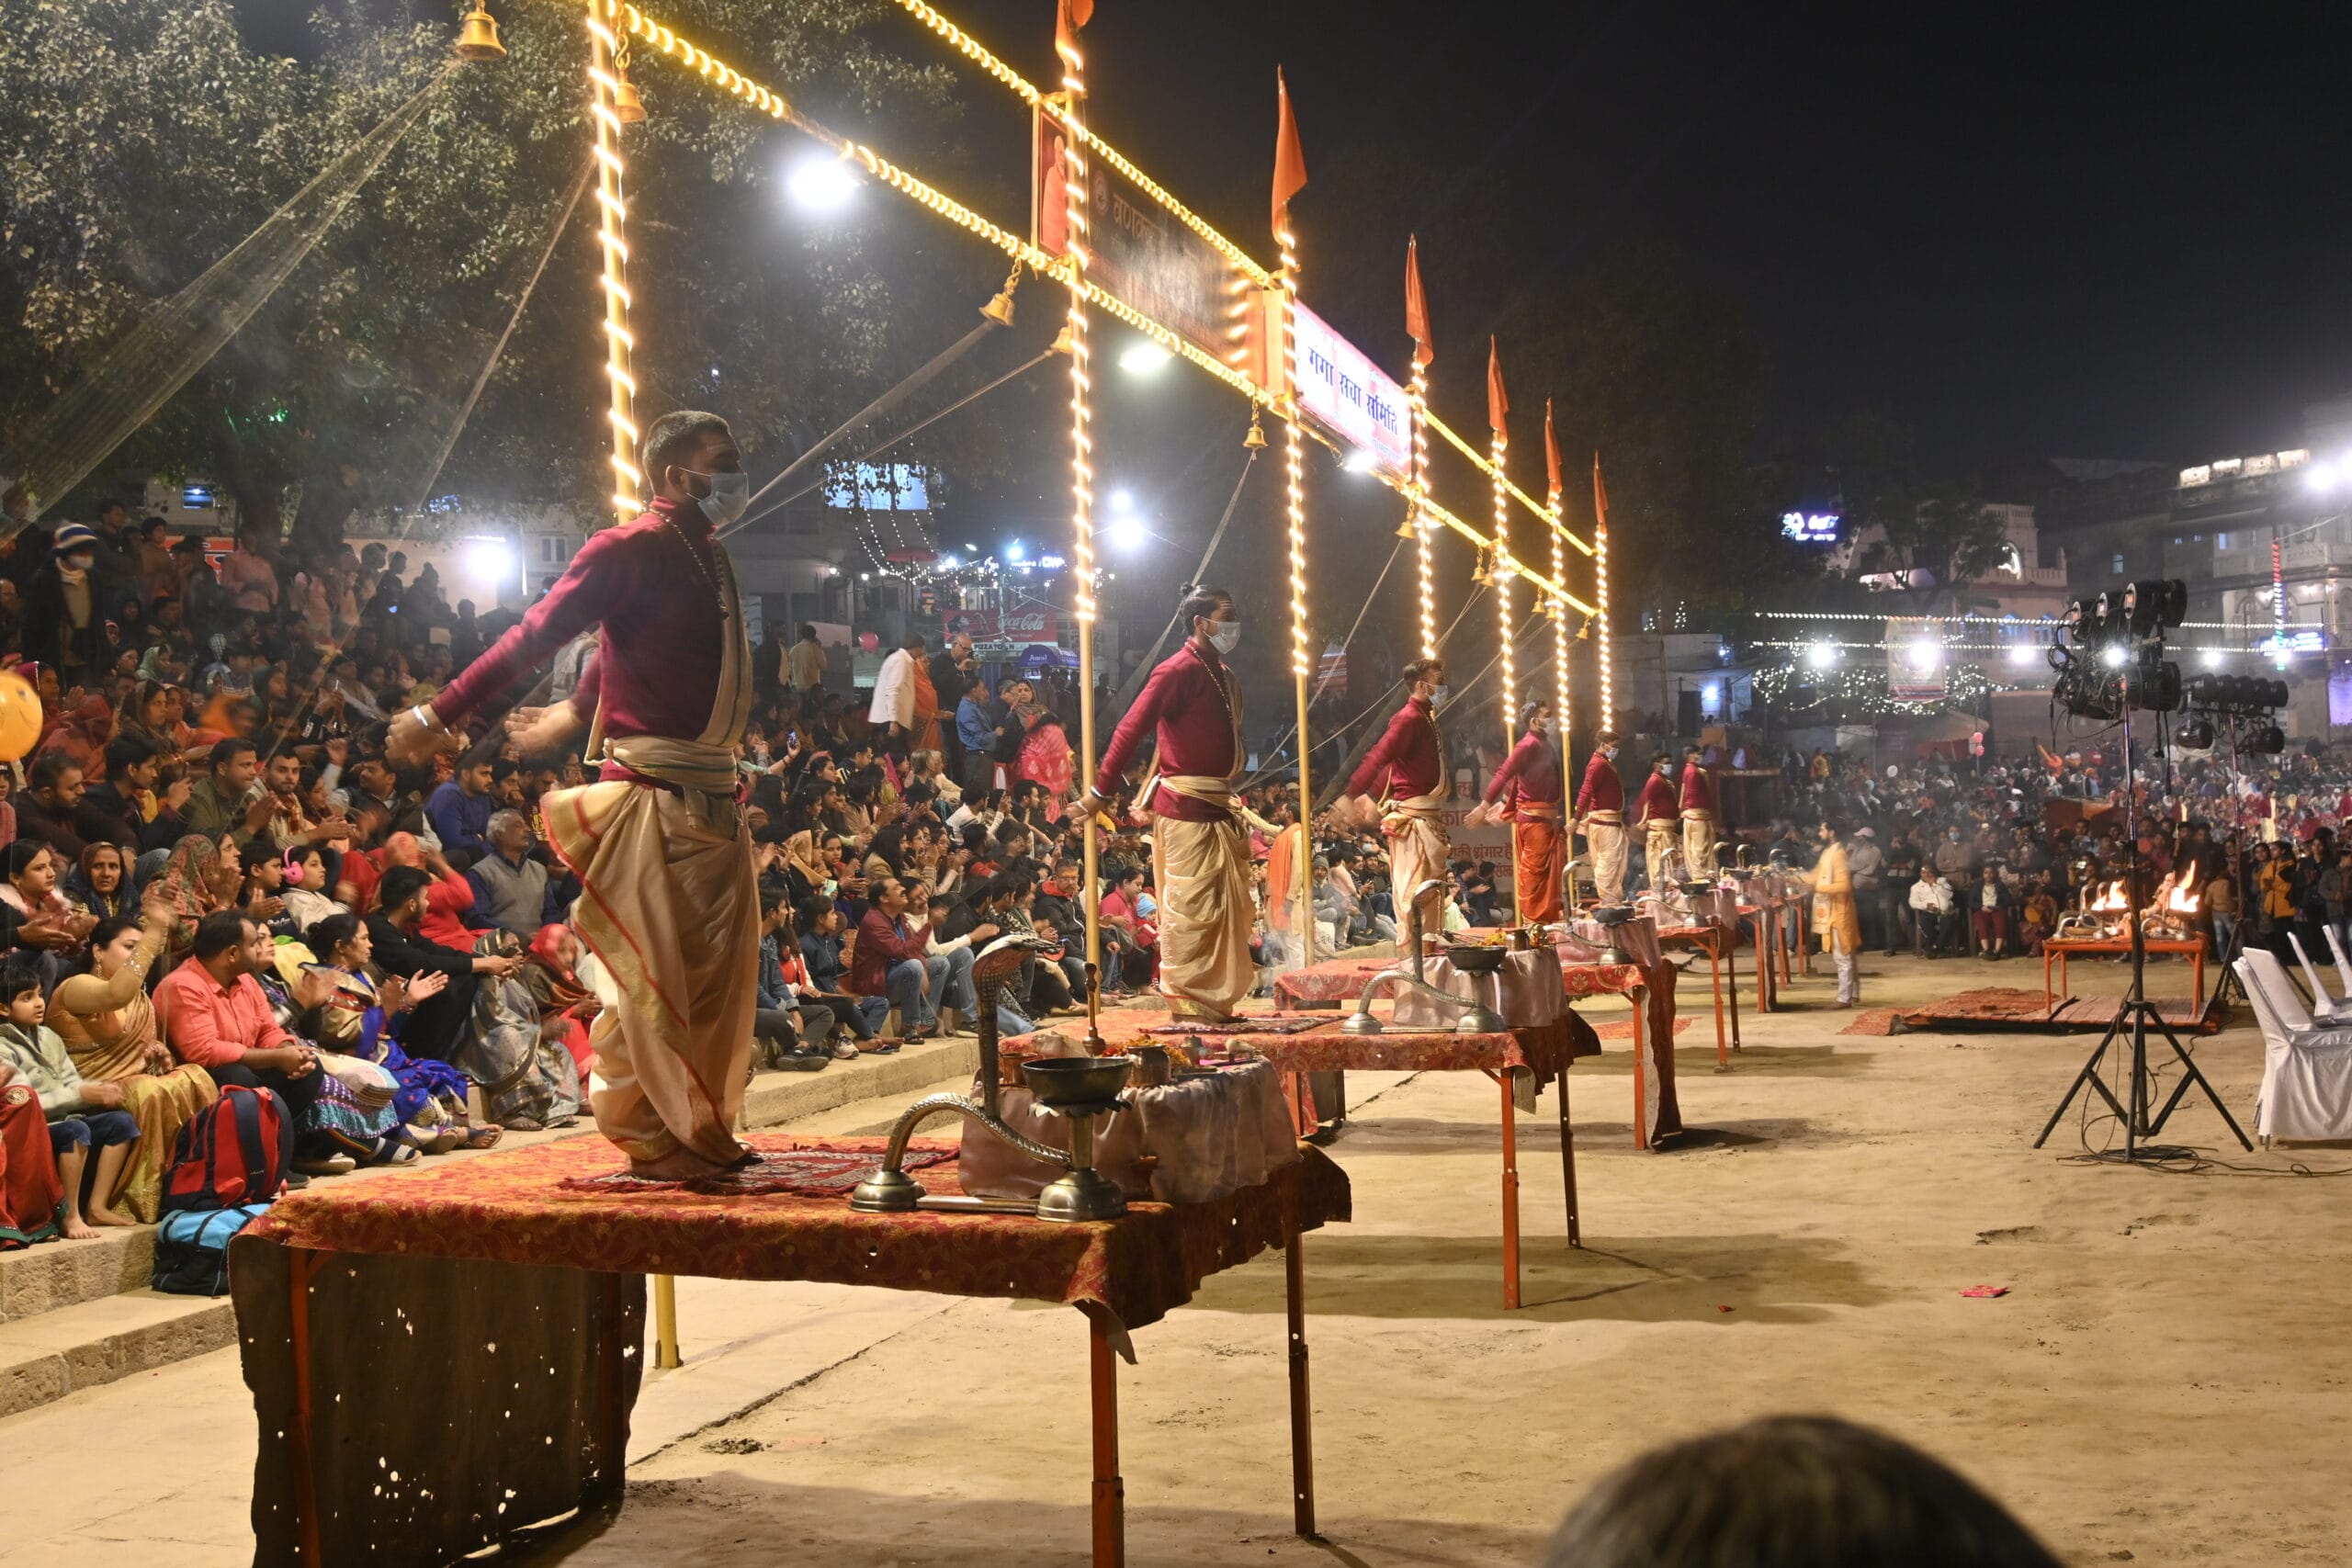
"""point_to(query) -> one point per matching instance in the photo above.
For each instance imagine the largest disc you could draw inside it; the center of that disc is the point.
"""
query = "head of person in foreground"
(1791, 1491)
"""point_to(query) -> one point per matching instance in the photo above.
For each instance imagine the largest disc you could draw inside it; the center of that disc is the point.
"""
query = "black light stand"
(2135, 1017)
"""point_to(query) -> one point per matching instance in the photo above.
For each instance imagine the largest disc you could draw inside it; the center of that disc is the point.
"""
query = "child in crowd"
(89, 1133)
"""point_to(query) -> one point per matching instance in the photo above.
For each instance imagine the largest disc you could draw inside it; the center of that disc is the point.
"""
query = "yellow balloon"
(19, 716)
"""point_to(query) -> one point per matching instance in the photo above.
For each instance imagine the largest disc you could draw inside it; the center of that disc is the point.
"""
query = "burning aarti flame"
(2182, 902)
(2112, 900)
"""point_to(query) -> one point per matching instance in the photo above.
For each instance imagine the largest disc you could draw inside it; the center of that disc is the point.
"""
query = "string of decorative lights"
(1506, 673)
(1600, 592)
(1295, 478)
(1487, 467)
(1424, 557)
(974, 50)
(1564, 698)
(1081, 460)
(611, 237)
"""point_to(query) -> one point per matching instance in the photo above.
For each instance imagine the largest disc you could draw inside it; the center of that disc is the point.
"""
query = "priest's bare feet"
(678, 1165)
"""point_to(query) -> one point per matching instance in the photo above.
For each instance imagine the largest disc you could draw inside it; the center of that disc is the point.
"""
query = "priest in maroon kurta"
(1527, 790)
(1409, 770)
(1200, 851)
(669, 904)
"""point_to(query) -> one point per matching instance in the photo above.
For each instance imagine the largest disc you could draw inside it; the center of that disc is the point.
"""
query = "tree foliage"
(141, 140)
(1936, 533)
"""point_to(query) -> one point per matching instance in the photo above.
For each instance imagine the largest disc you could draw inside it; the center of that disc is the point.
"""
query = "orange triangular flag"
(1551, 453)
(1290, 163)
(1497, 405)
(1068, 16)
(1416, 307)
(1600, 497)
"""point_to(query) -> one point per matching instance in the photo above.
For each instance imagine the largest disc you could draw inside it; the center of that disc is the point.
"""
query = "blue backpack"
(192, 1248)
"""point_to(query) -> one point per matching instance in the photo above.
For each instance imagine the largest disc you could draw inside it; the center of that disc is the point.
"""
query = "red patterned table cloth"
(514, 1208)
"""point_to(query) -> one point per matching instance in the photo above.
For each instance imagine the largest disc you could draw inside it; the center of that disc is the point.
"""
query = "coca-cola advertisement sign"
(1021, 626)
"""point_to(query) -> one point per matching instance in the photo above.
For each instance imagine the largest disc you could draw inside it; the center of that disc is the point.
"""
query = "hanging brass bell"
(477, 37)
(1000, 310)
(1256, 439)
(628, 108)
(1406, 530)
(1063, 342)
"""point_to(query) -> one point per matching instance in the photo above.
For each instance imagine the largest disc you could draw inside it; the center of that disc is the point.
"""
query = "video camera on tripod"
(2109, 650)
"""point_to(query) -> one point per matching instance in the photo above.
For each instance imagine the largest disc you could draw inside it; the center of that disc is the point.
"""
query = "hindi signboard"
(1342, 390)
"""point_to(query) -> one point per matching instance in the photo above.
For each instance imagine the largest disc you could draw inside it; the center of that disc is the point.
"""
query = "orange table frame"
(2190, 947)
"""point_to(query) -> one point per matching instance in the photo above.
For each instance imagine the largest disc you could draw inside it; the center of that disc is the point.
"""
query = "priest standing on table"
(1200, 846)
(670, 904)
(1600, 810)
(1409, 770)
(1658, 815)
(1527, 790)
(1701, 828)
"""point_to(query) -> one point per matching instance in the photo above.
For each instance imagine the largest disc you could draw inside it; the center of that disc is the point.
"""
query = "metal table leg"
(1568, 1162)
(1302, 1405)
(1110, 1502)
(1510, 1195)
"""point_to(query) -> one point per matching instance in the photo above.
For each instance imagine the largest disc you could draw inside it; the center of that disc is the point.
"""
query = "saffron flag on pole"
(1416, 306)
(1599, 496)
(1290, 163)
(1497, 405)
(1068, 16)
(1552, 456)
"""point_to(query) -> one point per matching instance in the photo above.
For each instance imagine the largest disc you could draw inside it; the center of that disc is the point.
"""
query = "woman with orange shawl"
(108, 1027)
(1046, 760)
(82, 735)
(566, 1005)
(199, 878)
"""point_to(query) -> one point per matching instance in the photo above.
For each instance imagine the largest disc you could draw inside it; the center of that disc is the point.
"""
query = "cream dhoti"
(1417, 854)
(1699, 836)
(1604, 835)
(671, 908)
(1201, 870)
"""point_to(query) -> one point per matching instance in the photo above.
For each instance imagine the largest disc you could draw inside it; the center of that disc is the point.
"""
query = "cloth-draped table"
(504, 1295)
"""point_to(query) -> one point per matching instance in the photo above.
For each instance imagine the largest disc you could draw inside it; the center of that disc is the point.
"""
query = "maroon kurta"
(656, 671)
(1602, 790)
(1698, 789)
(1190, 701)
(1409, 759)
(1529, 776)
(1656, 802)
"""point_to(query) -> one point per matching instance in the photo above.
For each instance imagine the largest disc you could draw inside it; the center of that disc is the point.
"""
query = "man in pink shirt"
(247, 576)
(658, 842)
(211, 1011)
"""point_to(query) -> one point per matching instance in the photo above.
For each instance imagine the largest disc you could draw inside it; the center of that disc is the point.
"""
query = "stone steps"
(77, 1314)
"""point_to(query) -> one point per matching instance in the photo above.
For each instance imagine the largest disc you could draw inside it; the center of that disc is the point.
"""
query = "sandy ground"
(2163, 1382)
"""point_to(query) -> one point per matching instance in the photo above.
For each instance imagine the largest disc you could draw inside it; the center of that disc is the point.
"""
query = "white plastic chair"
(2306, 1071)
(2325, 1008)
(2343, 964)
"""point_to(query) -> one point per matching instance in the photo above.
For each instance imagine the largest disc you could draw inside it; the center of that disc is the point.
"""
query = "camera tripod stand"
(2129, 1028)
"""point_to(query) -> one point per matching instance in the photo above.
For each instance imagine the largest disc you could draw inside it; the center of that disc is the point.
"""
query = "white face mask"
(729, 494)
(1438, 694)
(1224, 636)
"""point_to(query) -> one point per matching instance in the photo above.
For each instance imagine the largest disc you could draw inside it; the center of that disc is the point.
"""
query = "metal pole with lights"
(1499, 410)
(1601, 594)
(1564, 694)
(604, 87)
(1416, 322)
(1081, 468)
(1290, 178)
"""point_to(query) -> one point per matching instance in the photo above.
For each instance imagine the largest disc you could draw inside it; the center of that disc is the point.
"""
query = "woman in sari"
(566, 1004)
(191, 884)
(358, 1020)
(529, 1080)
(99, 885)
(108, 1027)
(1046, 761)
(926, 734)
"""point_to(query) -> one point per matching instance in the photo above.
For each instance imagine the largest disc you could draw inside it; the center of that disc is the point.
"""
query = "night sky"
(2073, 231)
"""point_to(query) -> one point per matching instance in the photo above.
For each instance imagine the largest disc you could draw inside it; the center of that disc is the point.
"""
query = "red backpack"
(236, 1150)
